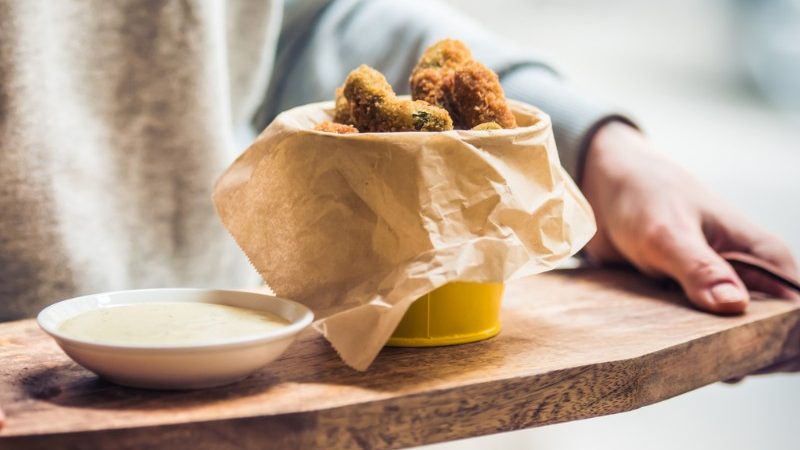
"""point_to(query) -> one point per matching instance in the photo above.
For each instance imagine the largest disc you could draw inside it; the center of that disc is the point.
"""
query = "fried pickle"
(333, 127)
(479, 98)
(341, 113)
(487, 126)
(447, 75)
(432, 77)
(374, 107)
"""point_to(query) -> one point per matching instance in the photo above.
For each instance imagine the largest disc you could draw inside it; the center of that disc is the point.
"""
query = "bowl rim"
(294, 327)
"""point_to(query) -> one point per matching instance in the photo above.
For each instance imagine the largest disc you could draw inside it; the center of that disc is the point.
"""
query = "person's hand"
(2, 418)
(653, 214)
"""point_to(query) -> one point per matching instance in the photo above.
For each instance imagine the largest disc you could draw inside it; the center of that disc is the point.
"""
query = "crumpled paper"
(358, 226)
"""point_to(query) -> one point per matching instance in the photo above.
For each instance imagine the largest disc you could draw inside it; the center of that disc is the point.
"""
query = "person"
(116, 118)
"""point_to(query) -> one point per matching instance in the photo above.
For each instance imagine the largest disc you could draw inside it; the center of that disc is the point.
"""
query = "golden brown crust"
(341, 113)
(447, 53)
(374, 107)
(447, 76)
(479, 97)
(427, 84)
(487, 126)
(332, 127)
(432, 77)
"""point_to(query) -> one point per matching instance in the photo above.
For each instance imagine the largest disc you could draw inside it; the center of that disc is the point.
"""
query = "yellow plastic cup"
(456, 313)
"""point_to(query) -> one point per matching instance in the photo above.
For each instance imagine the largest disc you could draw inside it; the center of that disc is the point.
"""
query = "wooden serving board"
(574, 345)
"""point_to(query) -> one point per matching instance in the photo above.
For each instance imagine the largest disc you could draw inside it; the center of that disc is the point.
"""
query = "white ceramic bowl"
(180, 366)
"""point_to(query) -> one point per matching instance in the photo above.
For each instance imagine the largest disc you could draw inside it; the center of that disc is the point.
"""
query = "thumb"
(707, 279)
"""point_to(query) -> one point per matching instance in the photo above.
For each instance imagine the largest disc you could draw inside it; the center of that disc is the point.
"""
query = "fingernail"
(728, 293)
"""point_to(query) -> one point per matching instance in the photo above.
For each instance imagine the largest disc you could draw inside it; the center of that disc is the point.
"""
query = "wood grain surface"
(574, 345)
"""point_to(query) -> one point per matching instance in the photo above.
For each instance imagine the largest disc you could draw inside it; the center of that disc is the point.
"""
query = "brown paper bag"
(358, 226)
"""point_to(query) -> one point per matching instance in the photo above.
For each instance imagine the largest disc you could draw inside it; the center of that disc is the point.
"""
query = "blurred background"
(717, 85)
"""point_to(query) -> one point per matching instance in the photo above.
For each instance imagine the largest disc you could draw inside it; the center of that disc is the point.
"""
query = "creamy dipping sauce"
(165, 324)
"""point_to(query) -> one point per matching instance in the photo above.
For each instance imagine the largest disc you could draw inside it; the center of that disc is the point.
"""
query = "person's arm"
(323, 40)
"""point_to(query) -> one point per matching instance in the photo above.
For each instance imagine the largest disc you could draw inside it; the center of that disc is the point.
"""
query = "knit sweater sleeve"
(322, 41)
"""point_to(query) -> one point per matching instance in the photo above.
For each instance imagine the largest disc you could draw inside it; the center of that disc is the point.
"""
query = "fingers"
(790, 366)
(683, 253)
(733, 232)
(734, 380)
(775, 251)
(2, 418)
(739, 234)
(769, 248)
(760, 282)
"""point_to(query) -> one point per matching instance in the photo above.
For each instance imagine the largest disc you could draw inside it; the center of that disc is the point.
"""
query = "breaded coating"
(447, 76)
(432, 77)
(374, 107)
(449, 53)
(487, 126)
(479, 97)
(341, 113)
(332, 127)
